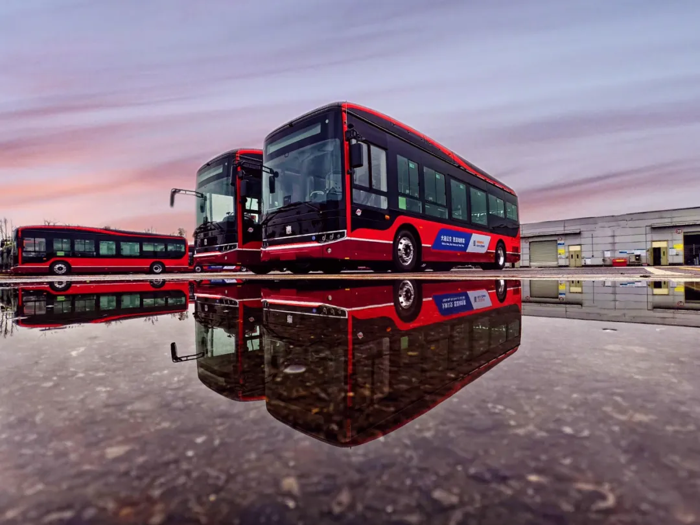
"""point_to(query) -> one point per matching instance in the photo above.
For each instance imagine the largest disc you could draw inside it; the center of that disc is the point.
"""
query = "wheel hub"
(406, 294)
(405, 251)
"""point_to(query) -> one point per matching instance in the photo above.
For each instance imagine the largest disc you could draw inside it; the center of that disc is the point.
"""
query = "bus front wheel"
(157, 268)
(198, 269)
(59, 268)
(406, 251)
(260, 270)
(408, 300)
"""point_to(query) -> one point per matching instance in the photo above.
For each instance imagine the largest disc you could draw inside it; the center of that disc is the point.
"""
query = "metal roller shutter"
(544, 289)
(543, 253)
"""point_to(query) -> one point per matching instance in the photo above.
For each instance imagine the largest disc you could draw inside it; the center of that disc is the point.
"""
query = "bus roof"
(99, 230)
(239, 151)
(386, 122)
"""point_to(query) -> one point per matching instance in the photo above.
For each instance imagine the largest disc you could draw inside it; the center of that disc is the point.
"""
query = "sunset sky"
(583, 107)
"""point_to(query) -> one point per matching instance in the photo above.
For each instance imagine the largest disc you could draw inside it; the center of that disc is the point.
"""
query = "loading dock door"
(543, 253)
(544, 289)
(691, 249)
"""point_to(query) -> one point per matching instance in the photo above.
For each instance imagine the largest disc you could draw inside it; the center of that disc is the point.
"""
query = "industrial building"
(655, 238)
(646, 302)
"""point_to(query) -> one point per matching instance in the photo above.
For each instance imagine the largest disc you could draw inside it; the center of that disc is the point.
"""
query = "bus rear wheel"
(157, 268)
(499, 258)
(406, 252)
(501, 290)
(198, 269)
(59, 268)
(260, 270)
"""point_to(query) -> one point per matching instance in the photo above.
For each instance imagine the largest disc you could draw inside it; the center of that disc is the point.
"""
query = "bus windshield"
(309, 167)
(219, 202)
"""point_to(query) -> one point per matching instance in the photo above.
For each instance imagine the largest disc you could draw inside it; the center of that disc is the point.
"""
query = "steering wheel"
(316, 193)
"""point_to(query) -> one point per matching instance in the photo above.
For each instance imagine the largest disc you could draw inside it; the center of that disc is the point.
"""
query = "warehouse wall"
(631, 302)
(605, 238)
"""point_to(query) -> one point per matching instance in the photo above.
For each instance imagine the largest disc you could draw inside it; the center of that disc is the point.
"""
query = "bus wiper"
(286, 207)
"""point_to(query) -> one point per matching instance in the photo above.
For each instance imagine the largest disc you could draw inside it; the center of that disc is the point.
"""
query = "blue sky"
(584, 107)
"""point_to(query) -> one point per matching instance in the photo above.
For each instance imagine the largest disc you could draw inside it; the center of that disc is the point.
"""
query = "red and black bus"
(57, 305)
(228, 350)
(60, 250)
(348, 364)
(346, 186)
(228, 231)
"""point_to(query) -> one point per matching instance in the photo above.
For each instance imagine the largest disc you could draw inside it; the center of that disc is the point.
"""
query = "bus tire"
(156, 283)
(501, 290)
(60, 286)
(59, 268)
(260, 270)
(198, 269)
(500, 256)
(408, 300)
(157, 268)
(406, 252)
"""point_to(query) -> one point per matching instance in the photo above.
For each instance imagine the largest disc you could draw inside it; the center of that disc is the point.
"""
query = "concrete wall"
(605, 238)
(632, 302)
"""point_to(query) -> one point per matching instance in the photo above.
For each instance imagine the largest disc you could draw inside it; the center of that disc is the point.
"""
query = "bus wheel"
(198, 269)
(500, 257)
(406, 251)
(59, 268)
(157, 283)
(157, 268)
(408, 300)
(60, 286)
(260, 270)
(501, 290)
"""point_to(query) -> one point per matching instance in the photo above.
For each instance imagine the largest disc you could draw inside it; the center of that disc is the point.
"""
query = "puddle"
(381, 401)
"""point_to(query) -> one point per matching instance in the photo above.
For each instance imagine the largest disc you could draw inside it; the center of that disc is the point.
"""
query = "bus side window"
(478, 207)
(459, 200)
(511, 212)
(34, 245)
(108, 248)
(84, 246)
(496, 207)
(61, 247)
(408, 185)
(435, 193)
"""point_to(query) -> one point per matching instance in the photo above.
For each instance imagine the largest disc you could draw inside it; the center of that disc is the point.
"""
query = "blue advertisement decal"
(456, 241)
(453, 303)
(452, 240)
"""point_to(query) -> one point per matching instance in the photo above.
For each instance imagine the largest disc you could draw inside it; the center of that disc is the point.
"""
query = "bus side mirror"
(172, 197)
(272, 184)
(245, 188)
(357, 155)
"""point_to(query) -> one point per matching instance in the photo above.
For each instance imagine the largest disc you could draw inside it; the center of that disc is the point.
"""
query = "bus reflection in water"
(347, 364)
(230, 360)
(61, 304)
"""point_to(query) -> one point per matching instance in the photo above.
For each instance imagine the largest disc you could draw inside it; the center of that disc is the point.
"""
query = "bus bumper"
(344, 249)
(237, 257)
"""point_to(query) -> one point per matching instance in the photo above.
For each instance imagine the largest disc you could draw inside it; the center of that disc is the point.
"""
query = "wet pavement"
(393, 401)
